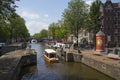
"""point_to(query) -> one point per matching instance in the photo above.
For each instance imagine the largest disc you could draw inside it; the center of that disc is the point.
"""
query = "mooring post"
(29, 48)
(66, 57)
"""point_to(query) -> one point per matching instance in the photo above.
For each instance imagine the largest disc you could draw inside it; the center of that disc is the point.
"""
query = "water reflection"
(62, 70)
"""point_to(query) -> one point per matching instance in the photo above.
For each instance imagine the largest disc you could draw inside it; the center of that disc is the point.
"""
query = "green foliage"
(13, 28)
(51, 30)
(94, 17)
(74, 15)
(44, 33)
(75, 18)
(4, 33)
(17, 27)
(7, 8)
(61, 32)
(37, 35)
(58, 31)
(11, 24)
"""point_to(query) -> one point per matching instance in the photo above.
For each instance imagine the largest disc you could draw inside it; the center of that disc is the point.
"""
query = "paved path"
(9, 62)
(101, 57)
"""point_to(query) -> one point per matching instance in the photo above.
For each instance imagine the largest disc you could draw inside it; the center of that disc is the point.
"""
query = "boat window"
(46, 53)
(52, 55)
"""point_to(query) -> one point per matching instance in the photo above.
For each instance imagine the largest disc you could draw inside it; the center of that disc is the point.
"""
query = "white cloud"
(34, 22)
(29, 15)
(89, 1)
(36, 26)
(46, 15)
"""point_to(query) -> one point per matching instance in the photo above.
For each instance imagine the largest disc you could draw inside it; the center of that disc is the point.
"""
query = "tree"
(37, 35)
(92, 21)
(7, 8)
(58, 31)
(95, 17)
(4, 33)
(61, 31)
(51, 30)
(17, 28)
(74, 16)
(44, 33)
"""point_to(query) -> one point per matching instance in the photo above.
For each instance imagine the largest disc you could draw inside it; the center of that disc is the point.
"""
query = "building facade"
(111, 21)
(83, 35)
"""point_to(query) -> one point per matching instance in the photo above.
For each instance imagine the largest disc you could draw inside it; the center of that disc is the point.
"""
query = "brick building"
(111, 21)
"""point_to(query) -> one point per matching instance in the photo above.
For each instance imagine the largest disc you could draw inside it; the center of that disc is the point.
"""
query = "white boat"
(50, 55)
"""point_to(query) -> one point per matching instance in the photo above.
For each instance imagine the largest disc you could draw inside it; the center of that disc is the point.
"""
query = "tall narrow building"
(111, 21)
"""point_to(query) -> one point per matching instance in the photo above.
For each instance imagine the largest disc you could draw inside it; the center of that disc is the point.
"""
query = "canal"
(59, 71)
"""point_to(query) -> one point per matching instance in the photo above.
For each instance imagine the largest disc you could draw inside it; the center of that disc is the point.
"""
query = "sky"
(38, 14)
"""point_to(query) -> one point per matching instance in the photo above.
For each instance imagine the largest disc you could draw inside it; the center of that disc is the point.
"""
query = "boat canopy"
(50, 51)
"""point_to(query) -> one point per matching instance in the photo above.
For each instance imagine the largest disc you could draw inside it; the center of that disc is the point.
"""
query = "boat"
(50, 55)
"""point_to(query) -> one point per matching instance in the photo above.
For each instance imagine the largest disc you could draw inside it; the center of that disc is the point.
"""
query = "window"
(108, 7)
(52, 55)
(119, 5)
(108, 38)
(115, 23)
(115, 38)
(116, 31)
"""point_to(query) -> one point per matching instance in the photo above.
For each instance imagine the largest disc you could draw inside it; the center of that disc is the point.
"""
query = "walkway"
(10, 62)
(101, 57)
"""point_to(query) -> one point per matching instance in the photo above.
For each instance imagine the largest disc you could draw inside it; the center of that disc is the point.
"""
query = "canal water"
(59, 71)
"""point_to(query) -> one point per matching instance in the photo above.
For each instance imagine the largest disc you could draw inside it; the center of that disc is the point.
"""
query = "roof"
(100, 33)
(50, 51)
(114, 5)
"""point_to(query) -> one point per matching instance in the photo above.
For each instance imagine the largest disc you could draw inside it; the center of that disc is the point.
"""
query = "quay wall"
(12, 63)
(69, 57)
(108, 69)
(24, 61)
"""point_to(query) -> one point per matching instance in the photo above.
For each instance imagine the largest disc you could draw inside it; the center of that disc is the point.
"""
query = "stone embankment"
(12, 62)
(100, 62)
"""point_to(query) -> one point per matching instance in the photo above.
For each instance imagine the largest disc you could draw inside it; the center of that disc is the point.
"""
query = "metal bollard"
(114, 51)
(119, 52)
(106, 50)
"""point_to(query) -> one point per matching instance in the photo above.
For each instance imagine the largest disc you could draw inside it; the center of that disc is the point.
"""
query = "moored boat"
(50, 55)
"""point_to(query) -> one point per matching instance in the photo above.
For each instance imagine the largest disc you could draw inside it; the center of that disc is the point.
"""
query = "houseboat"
(50, 55)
